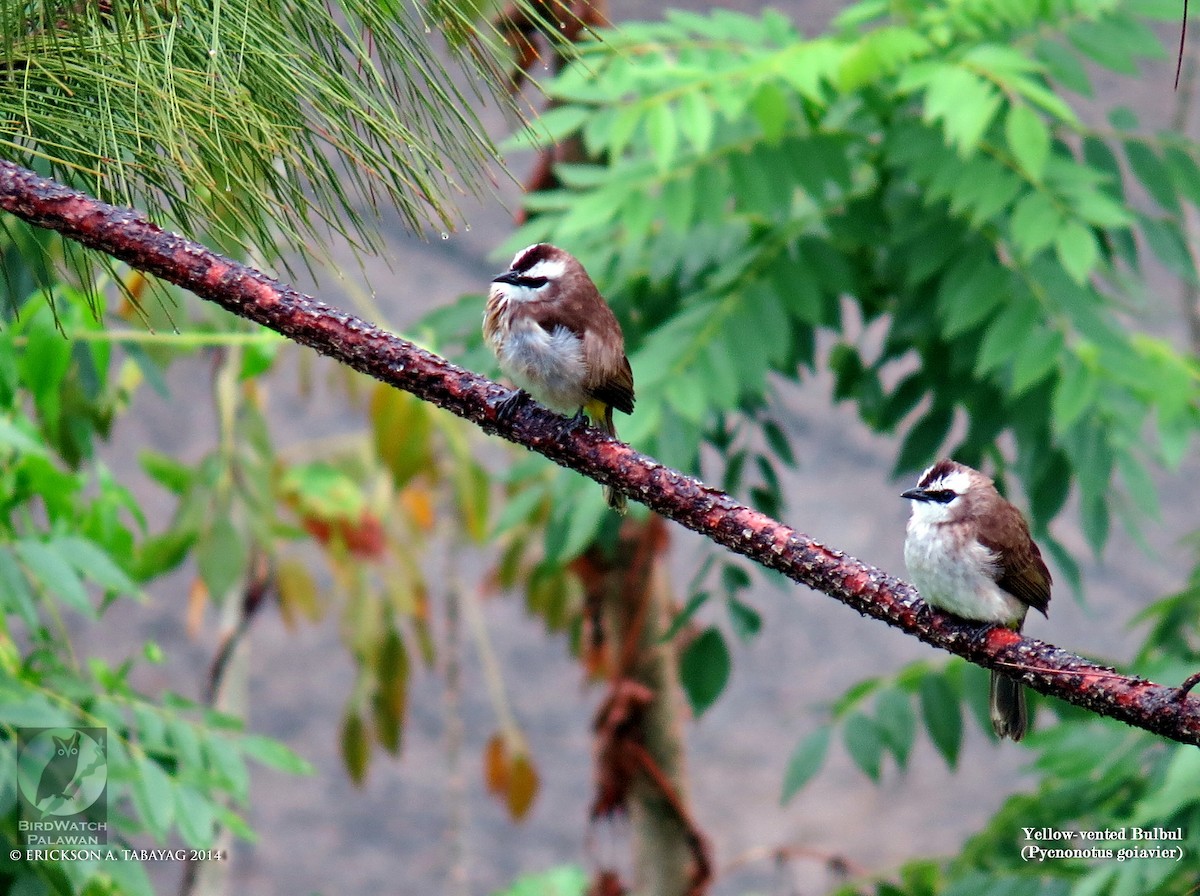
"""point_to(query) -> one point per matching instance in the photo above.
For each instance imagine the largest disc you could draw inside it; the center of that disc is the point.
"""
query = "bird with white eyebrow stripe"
(969, 552)
(556, 338)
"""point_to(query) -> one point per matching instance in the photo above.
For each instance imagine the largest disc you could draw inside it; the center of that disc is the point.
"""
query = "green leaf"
(1177, 790)
(897, 405)
(625, 122)
(1006, 334)
(196, 817)
(943, 716)
(1105, 42)
(747, 621)
(734, 579)
(971, 289)
(1099, 155)
(695, 602)
(1139, 485)
(518, 509)
(1096, 520)
(47, 566)
(854, 696)
(564, 881)
(686, 396)
(864, 743)
(1028, 139)
(704, 669)
(965, 104)
(1034, 90)
(879, 53)
(550, 127)
(1185, 171)
(769, 106)
(663, 134)
(273, 754)
(186, 743)
(697, 120)
(1074, 393)
(151, 790)
(717, 375)
(1154, 174)
(227, 767)
(1064, 66)
(1077, 250)
(15, 439)
(472, 495)
(1123, 119)
(29, 708)
(761, 186)
(15, 593)
(809, 65)
(1035, 223)
(221, 557)
(574, 521)
(172, 475)
(805, 762)
(896, 723)
(95, 564)
(1066, 563)
(983, 189)
(1168, 244)
(401, 428)
(590, 209)
(128, 876)
(1049, 487)
(778, 442)
(1099, 209)
(924, 439)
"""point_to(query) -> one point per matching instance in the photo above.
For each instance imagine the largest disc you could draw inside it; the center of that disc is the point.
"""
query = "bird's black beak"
(915, 494)
(510, 277)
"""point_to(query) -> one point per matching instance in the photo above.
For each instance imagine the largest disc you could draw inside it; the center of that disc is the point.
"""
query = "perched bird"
(555, 336)
(969, 552)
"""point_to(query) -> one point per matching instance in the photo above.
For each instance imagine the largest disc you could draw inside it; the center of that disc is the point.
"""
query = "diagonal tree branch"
(127, 235)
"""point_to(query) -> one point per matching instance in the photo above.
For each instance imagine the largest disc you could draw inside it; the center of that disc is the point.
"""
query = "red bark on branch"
(127, 235)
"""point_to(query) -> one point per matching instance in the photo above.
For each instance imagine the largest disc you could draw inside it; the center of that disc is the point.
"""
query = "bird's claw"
(509, 404)
(980, 635)
(579, 421)
(924, 614)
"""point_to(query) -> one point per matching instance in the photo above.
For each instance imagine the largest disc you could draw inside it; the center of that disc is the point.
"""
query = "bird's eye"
(534, 282)
(943, 495)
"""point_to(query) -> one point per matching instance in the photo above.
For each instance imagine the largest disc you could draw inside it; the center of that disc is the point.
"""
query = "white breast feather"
(958, 581)
(548, 365)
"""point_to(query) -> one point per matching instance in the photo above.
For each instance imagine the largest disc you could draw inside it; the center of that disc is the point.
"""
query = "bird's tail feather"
(604, 418)
(1007, 701)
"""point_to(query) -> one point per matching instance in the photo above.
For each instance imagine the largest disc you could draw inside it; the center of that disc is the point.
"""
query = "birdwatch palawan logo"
(62, 777)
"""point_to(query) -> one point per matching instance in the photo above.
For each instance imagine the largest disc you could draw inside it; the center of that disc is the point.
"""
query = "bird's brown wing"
(587, 315)
(617, 389)
(1023, 572)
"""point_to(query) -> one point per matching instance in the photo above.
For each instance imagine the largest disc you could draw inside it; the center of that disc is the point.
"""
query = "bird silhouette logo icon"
(62, 771)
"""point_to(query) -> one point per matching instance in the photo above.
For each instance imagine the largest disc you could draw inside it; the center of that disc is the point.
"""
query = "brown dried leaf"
(496, 765)
(297, 593)
(522, 786)
(197, 601)
(416, 501)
